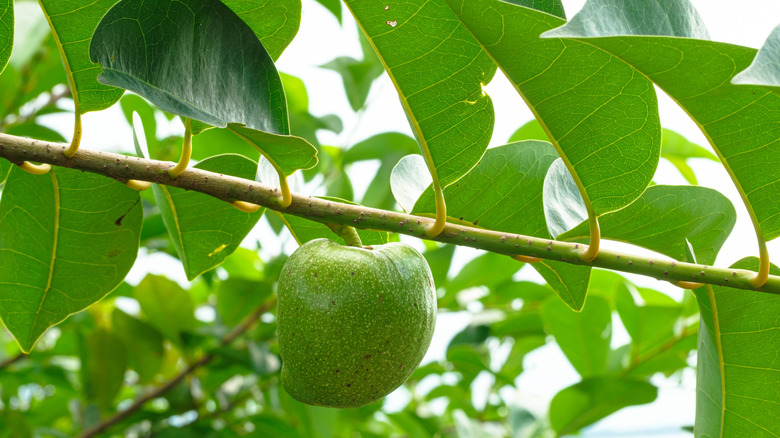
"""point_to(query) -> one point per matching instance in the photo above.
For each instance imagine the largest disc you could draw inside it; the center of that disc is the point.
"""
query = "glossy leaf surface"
(449, 113)
(6, 31)
(274, 22)
(204, 229)
(664, 217)
(73, 23)
(738, 369)
(601, 115)
(68, 239)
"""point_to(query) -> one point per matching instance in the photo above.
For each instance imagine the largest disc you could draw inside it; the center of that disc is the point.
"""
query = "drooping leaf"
(677, 150)
(103, 369)
(289, 152)
(143, 343)
(204, 229)
(601, 115)
(738, 120)
(216, 70)
(167, 306)
(583, 336)
(408, 180)
(274, 22)
(563, 205)
(451, 116)
(67, 239)
(664, 217)
(738, 369)
(6, 31)
(592, 399)
(72, 24)
(502, 193)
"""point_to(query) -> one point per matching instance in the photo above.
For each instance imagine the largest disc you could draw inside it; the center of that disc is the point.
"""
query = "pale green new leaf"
(664, 217)
(274, 22)
(503, 193)
(6, 31)
(67, 239)
(677, 150)
(589, 401)
(740, 121)
(204, 229)
(738, 366)
(583, 336)
(438, 71)
(72, 24)
(601, 115)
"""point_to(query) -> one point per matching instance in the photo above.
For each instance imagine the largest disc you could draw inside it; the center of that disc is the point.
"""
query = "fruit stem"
(349, 234)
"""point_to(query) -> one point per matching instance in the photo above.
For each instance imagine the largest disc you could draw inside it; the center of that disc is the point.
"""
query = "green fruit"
(354, 323)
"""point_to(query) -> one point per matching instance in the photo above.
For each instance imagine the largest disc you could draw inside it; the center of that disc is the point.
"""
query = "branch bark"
(230, 189)
(159, 391)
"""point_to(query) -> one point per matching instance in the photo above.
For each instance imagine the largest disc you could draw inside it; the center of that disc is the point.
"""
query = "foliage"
(93, 347)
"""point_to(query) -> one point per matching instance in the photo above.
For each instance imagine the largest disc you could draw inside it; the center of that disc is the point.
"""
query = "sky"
(321, 39)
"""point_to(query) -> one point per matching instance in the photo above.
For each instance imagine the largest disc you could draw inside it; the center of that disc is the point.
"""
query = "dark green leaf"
(167, 306)
(237, 298)
(583, 336)
(103, 369)
(73, 23)
(592, 399)
(204, 229)
(67, 239)
(664, 217)
(143, 344)
(215, 70)
(601, 116)
(739, 120)
(274, 22)
(455, 130)
(6, 31)
(738, 370)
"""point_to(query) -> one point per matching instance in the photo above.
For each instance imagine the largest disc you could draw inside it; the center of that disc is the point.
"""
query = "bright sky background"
(547, 371)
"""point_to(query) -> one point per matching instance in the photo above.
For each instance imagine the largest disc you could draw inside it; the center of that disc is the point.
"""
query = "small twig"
(203, 360)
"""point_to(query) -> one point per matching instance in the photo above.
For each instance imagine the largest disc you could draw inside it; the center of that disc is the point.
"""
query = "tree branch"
(12, 360)
(203, 360)
(228, 188)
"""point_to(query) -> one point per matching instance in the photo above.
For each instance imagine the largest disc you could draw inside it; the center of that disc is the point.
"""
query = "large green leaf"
(583, 336)
(144, 344)
(167, 306)
(438, 70)
(503, 193)
(601, 115)
(204, 229)
(738, 367)
(274, 22)
(198, 59)
(66, 240)
(103, 367)
(72, 24)
(740, 121)
(664, 217)
(6, 31)
(592, 399)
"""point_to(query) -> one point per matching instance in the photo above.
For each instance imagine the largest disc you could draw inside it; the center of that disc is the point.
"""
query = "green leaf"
(408, 180)
(763, 70)
(237, 298)
(35, 131)
(334, 6)
(217, 75)
(289, 152)
(357, 76)
(563, 204)
(72, 24)
(513, 366)
(664, 217)
(739, 120)
(448, 111)
(649, 317)
(502, 193)
(167, 306)
(531, 130)
(204, 229)
(304, 230)
(274, 22)
(677, 150)
(5, 169)
(143, 343)
(583, 336)
(67, 239)
(104, 362)
(738, 370)
(601, 116)
(489, 270)
(6, 31)
(592, 399)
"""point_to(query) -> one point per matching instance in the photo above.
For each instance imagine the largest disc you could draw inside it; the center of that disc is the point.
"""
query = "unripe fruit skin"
(353, 323)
